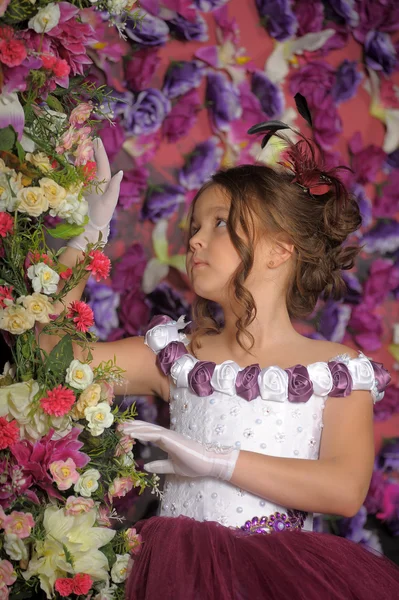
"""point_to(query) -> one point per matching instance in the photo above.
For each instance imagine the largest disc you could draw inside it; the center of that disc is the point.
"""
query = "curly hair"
(317, 225)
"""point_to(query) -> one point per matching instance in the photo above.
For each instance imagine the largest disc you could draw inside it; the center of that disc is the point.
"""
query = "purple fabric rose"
(344, 11)
(128, 271)
(300, 386)
(223, 100)
(382, 376)
(376, 16)
(314, 81)
(151, 31)
(347, 79)
(133, 185)
(247, 385)
(364, 202)
(367, 327)
(113, 136)
(134, 312)
(203, 161)
(182, 117)
(208, 5)
(140, 69)
(270, 95)
(386, 204)
(169, 355)
(199, 378)
(342, 379)
(383, 237)
(181, 77)
(334, 320)
(383, 278)
(148, 112)
(278, 17)
(158, 320)
(379, 52)
(393, 159)
(161, 201)
(103, 301)
(310, 15)
(168, 301)
(192, 30)
(327, 124)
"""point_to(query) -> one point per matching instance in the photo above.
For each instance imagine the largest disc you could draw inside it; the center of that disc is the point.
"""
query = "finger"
(110, 198)
(102, 162)
(161, 467)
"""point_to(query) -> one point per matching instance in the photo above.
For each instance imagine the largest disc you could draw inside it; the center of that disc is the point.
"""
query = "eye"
(222, 222)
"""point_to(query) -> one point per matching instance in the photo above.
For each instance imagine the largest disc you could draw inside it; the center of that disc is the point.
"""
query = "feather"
(303, 108)
(271, 127)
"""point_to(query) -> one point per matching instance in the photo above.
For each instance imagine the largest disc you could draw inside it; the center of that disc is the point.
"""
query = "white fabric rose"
(79, 375)
(40, 160)
(37, 305)
(99, 418)
(46, 18)
(224, 377)
(119, 571)
(87, 483)
(16, 400)
(72, 209)
(273, 384)
(16, 319)
(362, 373)
(181, 368)
(54, 193)
(160, 336)
(15, 547)
(321, 378)
(44, 279)
(32, 201)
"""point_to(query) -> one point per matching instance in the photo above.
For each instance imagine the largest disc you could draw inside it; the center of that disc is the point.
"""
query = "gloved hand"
(102, 201)
(186, 457)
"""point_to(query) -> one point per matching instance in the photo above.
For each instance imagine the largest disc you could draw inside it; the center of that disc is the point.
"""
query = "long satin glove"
(185, 457)
(102, 201)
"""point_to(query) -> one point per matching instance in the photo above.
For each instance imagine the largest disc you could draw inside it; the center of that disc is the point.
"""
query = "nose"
(196, 241)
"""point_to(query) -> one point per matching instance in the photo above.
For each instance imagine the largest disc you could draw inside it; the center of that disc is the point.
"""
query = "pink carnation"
(58, 401)
(5, 294)
(64, 586)
(48, 60)
(82, 583)
(19, 523)
(81, 314)
(6, 224)
(12, 52)
(7, 573)
(100, 265)
(66, 274)
(61, 68)
(9, 433)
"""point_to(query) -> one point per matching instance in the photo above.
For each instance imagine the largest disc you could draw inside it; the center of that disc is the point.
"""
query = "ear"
(281, 251)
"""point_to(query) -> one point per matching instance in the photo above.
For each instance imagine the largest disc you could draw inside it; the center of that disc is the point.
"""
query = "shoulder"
(331, 350)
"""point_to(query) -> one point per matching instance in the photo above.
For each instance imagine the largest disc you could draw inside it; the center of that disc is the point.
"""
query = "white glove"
(186, 457)
(101, 201)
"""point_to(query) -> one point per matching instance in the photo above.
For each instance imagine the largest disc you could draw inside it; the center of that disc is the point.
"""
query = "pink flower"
(61, 68)
(64, 586)
(76, 505)
(134, 541)
(48, 61)
(66, 274)
(107, 392)
(120, 487)
(5, 294)
(80, 114)
(12, 52)
(124, 446)
(14, 483)
(7, 573)
(103, 516)
(3, 6)
(81, 314)
(64, 473)
(100, 265)
(3, 516)
(9, 433)
(19, 523)
(6, 224)
(366, 161)
(58, 401)
(113, 136)
(90, 170)
(182, 116)
(383, 278)
(84, 152)
(82, 583)
(4, 592)
(67, 141)
(140, 69)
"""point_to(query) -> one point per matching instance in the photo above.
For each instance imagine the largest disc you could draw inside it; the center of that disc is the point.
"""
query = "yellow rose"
(40, 161)
(38, 305)
(89, 397)
(16, 319)
(32, 200)
(54, 193)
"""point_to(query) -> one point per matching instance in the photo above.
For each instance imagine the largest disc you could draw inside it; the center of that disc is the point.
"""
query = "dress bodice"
(273, 411)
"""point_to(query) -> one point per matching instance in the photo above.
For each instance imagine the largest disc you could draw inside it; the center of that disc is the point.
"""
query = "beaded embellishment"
(294, 519)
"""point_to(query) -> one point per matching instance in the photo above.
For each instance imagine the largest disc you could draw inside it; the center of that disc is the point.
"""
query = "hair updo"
(283, 202)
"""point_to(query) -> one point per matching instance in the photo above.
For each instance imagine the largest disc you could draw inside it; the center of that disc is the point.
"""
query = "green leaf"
(20, 151)
(60, 357)
(65, 231)
(8, 137)
(54, 104)
(178, 261)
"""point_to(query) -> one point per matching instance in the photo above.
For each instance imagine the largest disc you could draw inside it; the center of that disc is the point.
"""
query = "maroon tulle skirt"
(183, 559)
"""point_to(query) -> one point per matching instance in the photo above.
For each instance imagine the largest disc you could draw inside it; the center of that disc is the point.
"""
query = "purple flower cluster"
(223, 101)
(203, 161)
(278, 17)
(161, 201)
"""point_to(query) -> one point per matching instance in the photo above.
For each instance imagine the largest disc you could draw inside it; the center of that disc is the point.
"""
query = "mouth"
(199, 263)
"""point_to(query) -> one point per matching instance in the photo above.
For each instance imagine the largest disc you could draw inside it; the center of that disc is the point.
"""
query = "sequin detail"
(293, 519)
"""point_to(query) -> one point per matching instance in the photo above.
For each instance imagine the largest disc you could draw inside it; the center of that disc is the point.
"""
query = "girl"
(267, 426)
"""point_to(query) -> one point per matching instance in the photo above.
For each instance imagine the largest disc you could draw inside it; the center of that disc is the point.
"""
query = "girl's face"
(211, 258)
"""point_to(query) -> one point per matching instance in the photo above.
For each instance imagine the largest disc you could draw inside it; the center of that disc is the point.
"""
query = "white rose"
(38, 305)
(43, 278)
(72, 209)
(46, 18)
(4, 168)
(15, 547)
(87, 483)
(17, 401)
(16, 319)
(16, 186)
(321, 378)
(181, 368)
(119, 571)
(32, 201)
(160, 336)
(40, 161)
(273, 384)
(79, 375)
(6, 197)
(99, 418)
(362, 372)
(54, 193)
(224, 377)
(106, 592)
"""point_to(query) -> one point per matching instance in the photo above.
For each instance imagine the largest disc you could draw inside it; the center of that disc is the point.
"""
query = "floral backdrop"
(189, 82)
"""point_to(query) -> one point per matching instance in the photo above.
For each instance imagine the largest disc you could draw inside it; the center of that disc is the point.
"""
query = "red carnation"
(89, 170)
(12, 52)
(61, 68)
(9, 433)
(66, 274)
(58, 401)
(81, 314)
(64, 586)
(6, 224)
(5, 293)
(82, 583)
(48, 60)
(100, 265)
